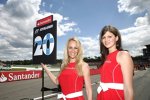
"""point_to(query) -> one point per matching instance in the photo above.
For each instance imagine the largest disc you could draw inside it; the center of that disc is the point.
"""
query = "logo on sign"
(3, 78)
(44, 21)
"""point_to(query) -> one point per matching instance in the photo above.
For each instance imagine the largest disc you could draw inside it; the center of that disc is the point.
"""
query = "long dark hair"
(103, 50)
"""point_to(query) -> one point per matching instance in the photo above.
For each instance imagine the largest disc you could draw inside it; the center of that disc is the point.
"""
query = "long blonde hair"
(79, 57)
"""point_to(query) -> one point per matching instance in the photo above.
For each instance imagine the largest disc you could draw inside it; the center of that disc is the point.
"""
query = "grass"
(18, 69)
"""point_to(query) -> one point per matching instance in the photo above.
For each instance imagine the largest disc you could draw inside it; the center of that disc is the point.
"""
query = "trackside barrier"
(94, 71)
(9, 76)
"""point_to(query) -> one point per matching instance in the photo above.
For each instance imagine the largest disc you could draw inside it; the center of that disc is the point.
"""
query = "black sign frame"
(48, 29)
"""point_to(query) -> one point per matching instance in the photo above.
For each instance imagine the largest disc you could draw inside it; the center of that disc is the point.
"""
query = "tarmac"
(31, 89)
(142, 84)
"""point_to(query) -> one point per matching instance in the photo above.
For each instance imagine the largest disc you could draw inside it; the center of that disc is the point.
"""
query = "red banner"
(8, 76)
(94, 71)
(44, 21)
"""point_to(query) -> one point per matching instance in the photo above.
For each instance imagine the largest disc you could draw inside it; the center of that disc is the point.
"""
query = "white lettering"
(10, 77)
(22, 76)
(46, 27)
(44, 22)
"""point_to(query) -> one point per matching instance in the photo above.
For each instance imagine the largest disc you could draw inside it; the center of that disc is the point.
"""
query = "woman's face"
(109, 40)
(72, 50)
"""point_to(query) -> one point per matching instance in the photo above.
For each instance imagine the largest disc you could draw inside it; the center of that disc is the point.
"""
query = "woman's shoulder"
(123, 55)
(85, 65)
(85, 68)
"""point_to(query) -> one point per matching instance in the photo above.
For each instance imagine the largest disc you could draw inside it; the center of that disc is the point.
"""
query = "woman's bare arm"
(87, 80)
(127, 68)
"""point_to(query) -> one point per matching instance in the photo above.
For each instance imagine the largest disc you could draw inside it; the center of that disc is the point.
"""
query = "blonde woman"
(74, 73)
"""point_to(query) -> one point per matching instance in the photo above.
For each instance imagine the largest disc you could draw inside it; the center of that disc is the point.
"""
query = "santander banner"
(44, 21)
(9, 76)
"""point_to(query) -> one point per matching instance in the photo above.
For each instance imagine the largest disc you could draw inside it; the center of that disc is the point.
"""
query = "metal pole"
(42, 84)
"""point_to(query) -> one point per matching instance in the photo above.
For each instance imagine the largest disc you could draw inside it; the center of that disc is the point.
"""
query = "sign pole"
(42, 84)
(44, 44)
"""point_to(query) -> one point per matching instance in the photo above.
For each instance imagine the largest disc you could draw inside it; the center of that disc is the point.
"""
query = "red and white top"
(110, 73)
(71, 82)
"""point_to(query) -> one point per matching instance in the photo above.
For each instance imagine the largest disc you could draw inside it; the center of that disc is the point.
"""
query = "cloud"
(64, 24)
(133, 6)
(140, 21)
(18, 18)
(17, 22)
(136, 37)
(90, 46)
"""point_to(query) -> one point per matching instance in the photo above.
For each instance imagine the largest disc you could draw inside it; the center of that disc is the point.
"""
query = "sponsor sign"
(44, 43)
(9, 76)
(94, 71)
(44, 21)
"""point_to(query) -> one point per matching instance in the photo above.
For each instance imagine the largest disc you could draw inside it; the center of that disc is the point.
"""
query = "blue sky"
(81, 18)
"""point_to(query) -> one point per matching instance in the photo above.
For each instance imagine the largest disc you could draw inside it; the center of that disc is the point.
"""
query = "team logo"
(3, 78)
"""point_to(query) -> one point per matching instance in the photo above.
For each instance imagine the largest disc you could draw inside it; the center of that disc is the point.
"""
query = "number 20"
(47, 45)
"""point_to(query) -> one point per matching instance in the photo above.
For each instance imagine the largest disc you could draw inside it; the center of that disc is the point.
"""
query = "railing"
(53, 94)
(46, 96)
